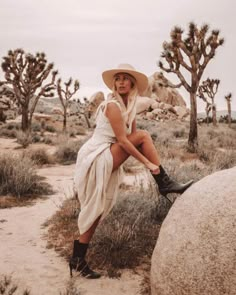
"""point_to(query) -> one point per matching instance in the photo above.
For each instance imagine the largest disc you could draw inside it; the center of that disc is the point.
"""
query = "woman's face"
(123, 83)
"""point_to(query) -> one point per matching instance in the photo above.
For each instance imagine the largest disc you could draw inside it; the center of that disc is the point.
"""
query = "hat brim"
(142, 80)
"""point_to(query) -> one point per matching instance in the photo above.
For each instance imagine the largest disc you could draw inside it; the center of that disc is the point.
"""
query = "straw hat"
(142, 80)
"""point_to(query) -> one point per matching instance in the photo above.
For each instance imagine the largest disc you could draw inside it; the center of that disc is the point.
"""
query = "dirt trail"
(23, 252)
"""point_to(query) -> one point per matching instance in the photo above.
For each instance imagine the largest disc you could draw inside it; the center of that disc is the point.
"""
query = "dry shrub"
(23, 138)
(71, 289)
(18, 177)
(80, 130)
(179, 132)
(128, 235)
(67, 151)
(8, 287)
(4, 132)
(39, 156)
(123, 240)
(223, 160)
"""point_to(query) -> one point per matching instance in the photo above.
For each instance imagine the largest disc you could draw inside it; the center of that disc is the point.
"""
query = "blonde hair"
(129, 111)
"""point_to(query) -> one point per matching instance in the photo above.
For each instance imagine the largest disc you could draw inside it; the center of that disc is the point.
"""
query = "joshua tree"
(190, 55)
(228, 99)
(6, 102)
(82, 109)
(25, 73)
(65, 95)
(208, 104)
(209, 87)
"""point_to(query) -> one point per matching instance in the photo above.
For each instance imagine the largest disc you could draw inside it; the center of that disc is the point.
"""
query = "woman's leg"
(142, 140)
(87, 236)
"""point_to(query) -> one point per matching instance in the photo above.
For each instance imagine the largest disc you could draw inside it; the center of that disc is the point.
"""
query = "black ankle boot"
(78, 262)
(166, 185)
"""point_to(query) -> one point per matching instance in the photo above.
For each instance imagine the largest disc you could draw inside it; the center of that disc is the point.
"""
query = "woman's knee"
(143, 134)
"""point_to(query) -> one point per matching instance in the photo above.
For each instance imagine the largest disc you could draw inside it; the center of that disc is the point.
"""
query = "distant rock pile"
(161, 101)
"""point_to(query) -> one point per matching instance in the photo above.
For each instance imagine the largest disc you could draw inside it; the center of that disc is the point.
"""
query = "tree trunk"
(25, 123)
(229, 113)
(87, 121)
(214, 115)
(207, 117)
(64, 120)
(193, 134)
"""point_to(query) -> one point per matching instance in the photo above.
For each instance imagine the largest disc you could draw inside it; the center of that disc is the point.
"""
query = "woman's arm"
(114, 116)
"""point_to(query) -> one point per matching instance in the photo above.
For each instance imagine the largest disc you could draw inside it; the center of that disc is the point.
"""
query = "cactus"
(228, 99)
(190, 55)
(65, 96)
(209, 87)
(26, 73)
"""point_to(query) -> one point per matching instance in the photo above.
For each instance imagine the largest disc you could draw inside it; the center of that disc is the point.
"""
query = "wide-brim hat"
(141, 79)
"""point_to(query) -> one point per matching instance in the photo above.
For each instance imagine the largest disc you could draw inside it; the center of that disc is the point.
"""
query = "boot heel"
(70, 266)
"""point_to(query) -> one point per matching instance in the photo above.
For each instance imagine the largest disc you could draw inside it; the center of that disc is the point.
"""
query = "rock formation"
(166, 103)
(94, 102)
(196, 249)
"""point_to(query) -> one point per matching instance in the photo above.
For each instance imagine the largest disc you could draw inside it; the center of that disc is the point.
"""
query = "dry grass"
(67, 150)
(39, 156)
(124, 239)
(8, 287)
(18, 177)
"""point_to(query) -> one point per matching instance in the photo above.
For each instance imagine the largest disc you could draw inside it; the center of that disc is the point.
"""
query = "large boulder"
(143, 104)
(196, 250)
(160, 88)
(94, 102)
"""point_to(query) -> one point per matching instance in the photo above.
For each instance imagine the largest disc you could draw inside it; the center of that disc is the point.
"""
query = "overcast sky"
(85, 37)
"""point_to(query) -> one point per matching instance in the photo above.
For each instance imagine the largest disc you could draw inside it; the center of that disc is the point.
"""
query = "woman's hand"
(154, 169)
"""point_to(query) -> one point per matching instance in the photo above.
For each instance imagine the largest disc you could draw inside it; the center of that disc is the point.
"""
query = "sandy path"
(23, 252)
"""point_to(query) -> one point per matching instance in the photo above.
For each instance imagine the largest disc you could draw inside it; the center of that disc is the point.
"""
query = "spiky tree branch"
(65, 94)
(26, 73)
(191, 55)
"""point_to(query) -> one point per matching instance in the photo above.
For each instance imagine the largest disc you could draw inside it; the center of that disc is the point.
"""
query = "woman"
(98, 168)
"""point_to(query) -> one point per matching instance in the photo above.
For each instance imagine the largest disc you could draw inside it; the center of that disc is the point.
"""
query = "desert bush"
(66, 152)
(179, 132)
(8, 287)
(18, 177)
(71, 289)
(50, 128)
(36, 138)
(48, 140)
(24, 139)
(4, 132)
(128, 235)
(80, 131)
(39, 156)
(125, 238)
(35, 127)
(13, 126)
(223, 160)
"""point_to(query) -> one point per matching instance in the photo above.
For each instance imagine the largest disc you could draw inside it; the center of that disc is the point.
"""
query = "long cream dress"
(96, 184)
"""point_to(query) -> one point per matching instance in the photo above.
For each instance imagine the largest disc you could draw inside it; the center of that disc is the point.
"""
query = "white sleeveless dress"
(97, 186)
